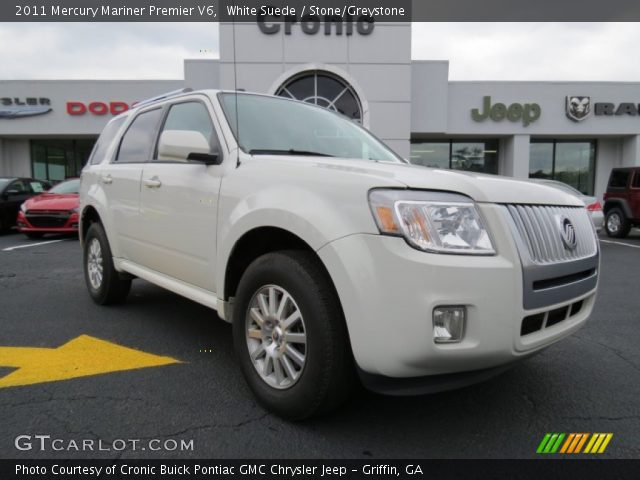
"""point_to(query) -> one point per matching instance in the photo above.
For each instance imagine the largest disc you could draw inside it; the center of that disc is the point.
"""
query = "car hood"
(54, 201)
(480, 187)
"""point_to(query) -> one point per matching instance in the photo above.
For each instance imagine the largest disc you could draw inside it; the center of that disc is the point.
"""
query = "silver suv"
(336, 261)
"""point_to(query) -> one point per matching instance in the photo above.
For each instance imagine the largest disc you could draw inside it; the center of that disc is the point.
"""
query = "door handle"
(153, 182)
(106, 179)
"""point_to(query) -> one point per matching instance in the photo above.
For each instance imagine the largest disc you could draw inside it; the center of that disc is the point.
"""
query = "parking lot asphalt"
(589, 382)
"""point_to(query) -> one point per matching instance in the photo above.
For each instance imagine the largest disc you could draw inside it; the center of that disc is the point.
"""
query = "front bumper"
(597, 218)
(47, 222)
(427, 384)
(388, 291)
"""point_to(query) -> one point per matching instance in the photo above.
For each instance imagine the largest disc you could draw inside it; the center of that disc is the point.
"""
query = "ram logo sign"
(578, 108)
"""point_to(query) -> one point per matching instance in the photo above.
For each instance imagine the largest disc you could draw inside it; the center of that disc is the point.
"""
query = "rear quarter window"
(619, 179)
(37, 187)
(105, 139)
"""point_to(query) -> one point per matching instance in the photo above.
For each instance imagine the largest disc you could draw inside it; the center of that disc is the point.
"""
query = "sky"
(476, 51)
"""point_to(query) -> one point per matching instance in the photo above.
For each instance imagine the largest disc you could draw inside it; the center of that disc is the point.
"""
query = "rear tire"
(616, 223)
(296, 368)
(104, 283)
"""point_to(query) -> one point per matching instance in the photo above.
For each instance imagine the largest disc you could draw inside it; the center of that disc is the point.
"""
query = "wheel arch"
(255, 243)
(618, 203)
(89, 215)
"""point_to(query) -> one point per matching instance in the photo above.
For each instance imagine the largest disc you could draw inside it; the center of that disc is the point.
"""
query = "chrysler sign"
(19, 107)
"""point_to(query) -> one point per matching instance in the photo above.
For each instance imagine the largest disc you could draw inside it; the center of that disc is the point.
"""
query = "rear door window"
(20, 186)
(636, 179)
(139, 140)
(191, 116)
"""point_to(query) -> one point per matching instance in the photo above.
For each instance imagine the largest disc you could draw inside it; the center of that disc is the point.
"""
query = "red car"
(55, 211)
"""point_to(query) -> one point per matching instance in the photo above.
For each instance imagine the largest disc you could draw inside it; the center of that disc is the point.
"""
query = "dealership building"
(575, 132)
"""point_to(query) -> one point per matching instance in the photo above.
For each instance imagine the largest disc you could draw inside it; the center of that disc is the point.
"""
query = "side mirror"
(186, 146)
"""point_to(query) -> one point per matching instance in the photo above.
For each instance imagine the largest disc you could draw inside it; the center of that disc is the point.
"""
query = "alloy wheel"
(95, 266)
(614, 223)
(276, 337)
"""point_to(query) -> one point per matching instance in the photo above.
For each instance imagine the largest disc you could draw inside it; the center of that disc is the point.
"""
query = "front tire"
(103, 281)
(290, 336)
(616, 224)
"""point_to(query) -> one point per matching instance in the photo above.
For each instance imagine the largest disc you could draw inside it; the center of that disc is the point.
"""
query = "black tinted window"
(636, 180)
(619, 179)
(137, 143)
(20, 186)
(105, 139)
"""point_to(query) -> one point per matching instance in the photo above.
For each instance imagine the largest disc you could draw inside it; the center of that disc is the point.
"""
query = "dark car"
(622, 202)
(13, 192)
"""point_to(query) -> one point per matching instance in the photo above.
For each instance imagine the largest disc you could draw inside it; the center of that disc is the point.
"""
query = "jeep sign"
(526, 113)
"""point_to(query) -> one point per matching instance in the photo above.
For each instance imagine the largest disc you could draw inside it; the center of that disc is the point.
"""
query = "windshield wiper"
(291, 151)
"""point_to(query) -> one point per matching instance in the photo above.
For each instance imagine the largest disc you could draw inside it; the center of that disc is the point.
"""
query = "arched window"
(325, 90)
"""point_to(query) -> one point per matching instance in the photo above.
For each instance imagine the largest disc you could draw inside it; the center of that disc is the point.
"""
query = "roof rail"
(173, 93)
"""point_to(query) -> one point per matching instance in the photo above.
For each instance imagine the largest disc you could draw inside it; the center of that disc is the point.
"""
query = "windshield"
(270, 125)
(70, 186)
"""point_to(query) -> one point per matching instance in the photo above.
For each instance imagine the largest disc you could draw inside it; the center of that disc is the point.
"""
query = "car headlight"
(23, 208)
(436, 222)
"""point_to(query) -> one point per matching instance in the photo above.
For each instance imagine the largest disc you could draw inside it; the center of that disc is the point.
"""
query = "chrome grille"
(539, 230)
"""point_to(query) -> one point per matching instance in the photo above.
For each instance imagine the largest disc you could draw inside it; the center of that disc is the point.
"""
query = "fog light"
(448, 324)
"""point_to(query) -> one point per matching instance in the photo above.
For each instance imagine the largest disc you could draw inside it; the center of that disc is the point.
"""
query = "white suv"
(336, 261)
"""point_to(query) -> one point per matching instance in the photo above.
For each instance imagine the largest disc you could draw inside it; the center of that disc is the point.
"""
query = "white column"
(514, 156)
(631, 151)
(15, 159)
